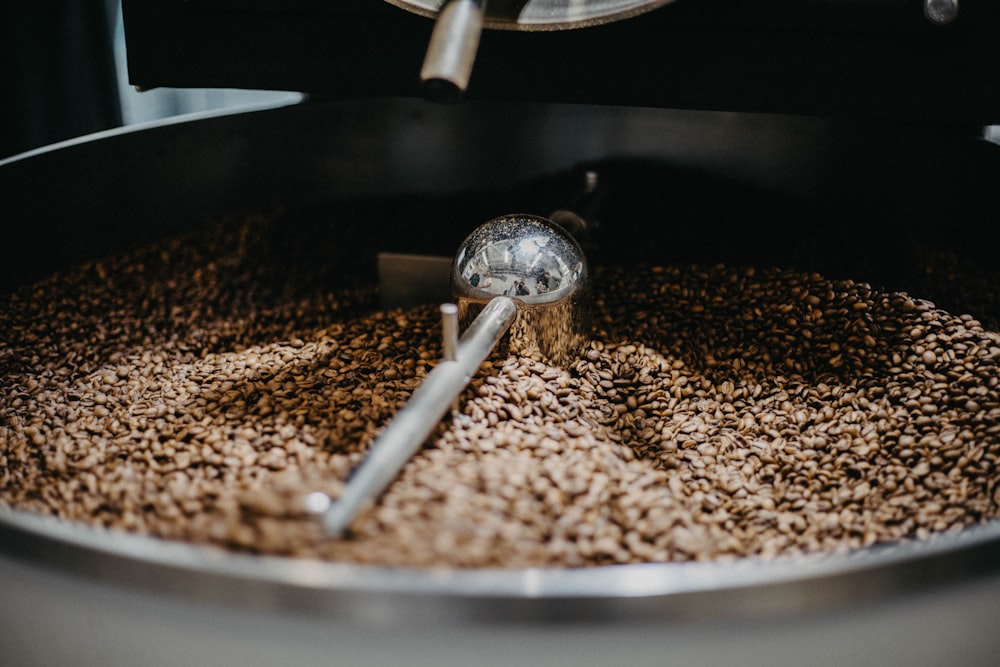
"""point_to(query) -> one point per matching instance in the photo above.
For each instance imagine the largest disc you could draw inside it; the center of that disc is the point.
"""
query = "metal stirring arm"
(524, 255)
(412, 425)
(452, 50)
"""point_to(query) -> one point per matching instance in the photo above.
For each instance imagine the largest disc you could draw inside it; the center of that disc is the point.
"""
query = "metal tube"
(452, 49)
(449, 331)
(414, 423)
(449, 338)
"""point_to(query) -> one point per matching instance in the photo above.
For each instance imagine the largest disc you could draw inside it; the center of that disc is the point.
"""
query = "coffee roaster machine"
(849, 133)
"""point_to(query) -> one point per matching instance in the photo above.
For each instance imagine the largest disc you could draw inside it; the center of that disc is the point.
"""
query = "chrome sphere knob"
(539, 265)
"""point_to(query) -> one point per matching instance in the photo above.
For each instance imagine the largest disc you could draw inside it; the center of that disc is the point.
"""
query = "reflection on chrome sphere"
(541, 266)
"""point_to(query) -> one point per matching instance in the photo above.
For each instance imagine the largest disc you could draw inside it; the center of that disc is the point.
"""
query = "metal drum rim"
(546, 17)
(820, 581)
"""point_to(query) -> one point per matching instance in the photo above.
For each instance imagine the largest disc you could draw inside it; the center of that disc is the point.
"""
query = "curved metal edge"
(294, 99)
(615, 593)
(541, 20)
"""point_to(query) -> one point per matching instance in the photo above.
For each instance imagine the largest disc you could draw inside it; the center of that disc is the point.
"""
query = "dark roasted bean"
(186, 390)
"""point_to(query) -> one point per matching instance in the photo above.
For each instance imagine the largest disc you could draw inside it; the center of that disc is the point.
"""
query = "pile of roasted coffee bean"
(198, 390)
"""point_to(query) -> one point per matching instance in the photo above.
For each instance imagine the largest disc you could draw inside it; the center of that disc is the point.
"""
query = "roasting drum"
(73, 595)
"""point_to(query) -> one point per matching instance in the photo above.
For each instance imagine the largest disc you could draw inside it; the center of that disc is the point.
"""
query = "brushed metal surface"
(544, 14)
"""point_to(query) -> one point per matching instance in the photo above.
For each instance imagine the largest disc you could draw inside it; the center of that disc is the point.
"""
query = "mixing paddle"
(520, 274)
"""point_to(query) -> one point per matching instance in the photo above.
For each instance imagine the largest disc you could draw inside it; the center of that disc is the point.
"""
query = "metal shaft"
(414, 423)
(452, 50)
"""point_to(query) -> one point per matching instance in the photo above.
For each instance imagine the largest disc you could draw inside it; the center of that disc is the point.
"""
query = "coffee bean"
(201, 387)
